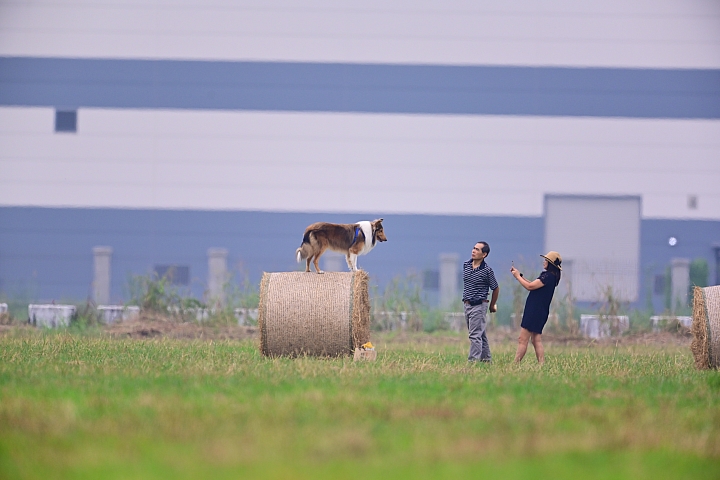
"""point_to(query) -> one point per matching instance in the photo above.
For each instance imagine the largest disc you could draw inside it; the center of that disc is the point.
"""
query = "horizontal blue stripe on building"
(46, 253)
(370, 88)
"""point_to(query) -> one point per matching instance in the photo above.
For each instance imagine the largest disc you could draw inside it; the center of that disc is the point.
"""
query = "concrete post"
(448, 279)
(680, 279)
(217, 274)
(101, 279)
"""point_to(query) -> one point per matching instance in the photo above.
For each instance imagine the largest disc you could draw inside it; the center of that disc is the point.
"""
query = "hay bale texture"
(705, 345)
(309, 314)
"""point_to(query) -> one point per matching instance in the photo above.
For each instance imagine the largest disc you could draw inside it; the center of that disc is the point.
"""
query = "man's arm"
(493, 300)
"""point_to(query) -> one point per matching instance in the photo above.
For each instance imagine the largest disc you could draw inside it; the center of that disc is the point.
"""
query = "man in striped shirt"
(478, 280)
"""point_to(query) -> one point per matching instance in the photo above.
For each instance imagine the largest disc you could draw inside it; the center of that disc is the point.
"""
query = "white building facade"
(456, 109)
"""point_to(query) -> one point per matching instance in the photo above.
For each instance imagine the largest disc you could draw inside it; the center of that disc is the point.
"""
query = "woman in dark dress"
(537, 305)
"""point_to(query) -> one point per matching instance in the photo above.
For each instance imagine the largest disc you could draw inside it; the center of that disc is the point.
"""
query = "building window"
(66, 121)
(431, 280)
(176, 274)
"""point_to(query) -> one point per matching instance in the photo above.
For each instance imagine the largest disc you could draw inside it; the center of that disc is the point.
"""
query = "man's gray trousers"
(476, 320)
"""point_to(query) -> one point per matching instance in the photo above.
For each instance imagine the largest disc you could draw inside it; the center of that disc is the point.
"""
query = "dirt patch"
(156, 326)
(159, 326)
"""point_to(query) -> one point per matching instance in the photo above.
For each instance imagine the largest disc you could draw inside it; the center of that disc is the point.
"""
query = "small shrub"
(6, 319)
(639, 322)
(699, 273)
(155, 294)
(562, 314)
(400, 305)
(85, 320)
(610, 309)
(433, 320)
(244, 296)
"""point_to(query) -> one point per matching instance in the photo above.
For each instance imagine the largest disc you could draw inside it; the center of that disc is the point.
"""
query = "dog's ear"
(379, 220)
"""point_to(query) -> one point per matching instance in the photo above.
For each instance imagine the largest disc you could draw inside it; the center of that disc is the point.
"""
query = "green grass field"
(74, 406)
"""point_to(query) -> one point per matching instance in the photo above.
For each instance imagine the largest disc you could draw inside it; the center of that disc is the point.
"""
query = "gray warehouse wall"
(46, 253)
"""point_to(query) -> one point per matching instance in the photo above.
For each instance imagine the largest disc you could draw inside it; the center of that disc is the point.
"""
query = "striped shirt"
(477, 282)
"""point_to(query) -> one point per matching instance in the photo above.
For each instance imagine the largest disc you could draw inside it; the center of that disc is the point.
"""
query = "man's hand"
(494, 299)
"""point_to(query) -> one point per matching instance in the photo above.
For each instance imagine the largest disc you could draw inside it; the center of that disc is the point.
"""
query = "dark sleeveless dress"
(537, 305)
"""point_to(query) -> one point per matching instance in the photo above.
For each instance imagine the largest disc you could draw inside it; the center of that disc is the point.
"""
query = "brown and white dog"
(352, 239)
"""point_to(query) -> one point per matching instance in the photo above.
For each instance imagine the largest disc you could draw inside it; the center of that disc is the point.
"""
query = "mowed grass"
(92, 407)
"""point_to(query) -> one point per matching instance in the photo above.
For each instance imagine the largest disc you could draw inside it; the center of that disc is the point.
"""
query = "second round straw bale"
(304, 313)
(705, 328)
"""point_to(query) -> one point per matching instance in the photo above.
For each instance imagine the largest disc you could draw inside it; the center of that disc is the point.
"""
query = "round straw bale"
(304, 313)
(705, 345)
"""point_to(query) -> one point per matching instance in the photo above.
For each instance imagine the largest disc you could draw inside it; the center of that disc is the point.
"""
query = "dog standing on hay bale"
(352, 239)
(705, 328)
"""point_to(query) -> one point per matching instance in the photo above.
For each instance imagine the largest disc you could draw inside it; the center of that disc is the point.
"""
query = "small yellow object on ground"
(366, 351)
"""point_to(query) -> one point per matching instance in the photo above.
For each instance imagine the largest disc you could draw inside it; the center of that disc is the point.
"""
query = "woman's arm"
(534, 285)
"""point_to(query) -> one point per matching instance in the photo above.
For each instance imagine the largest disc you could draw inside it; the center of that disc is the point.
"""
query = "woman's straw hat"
(554, 258)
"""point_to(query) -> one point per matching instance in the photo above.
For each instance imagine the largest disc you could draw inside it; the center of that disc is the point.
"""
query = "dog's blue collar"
(357, 233)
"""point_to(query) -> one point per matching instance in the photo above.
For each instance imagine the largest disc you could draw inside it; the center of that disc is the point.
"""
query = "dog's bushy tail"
(304, 251)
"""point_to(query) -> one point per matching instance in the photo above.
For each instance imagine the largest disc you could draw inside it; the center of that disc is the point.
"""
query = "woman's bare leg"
(522, 344)
(539, 350)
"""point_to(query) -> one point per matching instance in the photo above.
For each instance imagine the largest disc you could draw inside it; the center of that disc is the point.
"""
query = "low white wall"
(456, 322)
(660, 322)
(246, 316)
(117, 313)
(600, 326)
(51, 316)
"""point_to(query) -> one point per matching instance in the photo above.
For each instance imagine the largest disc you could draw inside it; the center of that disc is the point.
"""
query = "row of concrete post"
(448, 277)
(217, 274)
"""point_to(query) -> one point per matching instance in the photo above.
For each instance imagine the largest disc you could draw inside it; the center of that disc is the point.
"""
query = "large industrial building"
(172, 132)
